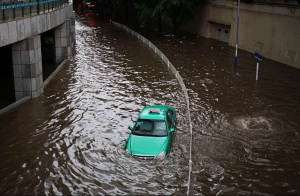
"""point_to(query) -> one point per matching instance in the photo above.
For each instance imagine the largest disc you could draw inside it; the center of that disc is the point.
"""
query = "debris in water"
(253, 123)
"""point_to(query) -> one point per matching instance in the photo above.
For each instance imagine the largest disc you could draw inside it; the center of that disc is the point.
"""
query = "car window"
(150, 128)
(169, 122)
(170, 114)
(169, 118)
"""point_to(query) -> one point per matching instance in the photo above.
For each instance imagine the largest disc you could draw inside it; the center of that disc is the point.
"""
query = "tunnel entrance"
(48, 53)
(7, 89)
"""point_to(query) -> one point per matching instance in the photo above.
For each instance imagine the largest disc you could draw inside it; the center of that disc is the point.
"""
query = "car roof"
(160, 115)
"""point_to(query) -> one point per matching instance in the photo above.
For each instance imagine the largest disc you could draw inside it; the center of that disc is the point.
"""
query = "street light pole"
(237, 33)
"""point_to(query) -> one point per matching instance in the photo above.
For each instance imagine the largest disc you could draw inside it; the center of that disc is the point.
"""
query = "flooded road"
(71, 140)
(246, 133)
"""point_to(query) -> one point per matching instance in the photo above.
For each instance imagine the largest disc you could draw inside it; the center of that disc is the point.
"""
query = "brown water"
(71, 140)
(246, 133)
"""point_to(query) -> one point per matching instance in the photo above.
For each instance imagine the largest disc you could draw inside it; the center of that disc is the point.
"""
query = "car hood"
(145, 145)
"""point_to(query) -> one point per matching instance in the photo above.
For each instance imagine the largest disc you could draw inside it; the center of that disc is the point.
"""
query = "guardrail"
(180, 81)
(12, 10)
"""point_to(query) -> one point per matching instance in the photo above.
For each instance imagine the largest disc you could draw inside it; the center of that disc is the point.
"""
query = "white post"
(257, 67)
(237, 33)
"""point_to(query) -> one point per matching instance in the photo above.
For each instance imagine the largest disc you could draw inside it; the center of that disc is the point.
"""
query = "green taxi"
(151, 136)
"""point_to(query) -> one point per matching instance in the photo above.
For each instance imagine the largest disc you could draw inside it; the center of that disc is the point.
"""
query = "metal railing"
(12, 10)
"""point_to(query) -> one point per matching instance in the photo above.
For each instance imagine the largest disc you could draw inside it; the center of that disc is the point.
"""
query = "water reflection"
(71, 140)
(246, 133)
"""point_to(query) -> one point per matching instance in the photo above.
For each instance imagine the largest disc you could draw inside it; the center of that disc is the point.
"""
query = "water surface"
(71, 140)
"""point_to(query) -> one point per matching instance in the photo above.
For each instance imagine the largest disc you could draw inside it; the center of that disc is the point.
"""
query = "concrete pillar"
(73, 30)
(27, 65)
(63, 42)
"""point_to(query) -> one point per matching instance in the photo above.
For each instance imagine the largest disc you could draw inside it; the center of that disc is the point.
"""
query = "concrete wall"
(24, 36)
(14, 31)
(270, 29)
(63, 42)
(200, 24)
(27, 66)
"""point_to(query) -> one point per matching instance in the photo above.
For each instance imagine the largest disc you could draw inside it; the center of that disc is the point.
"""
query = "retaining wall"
(272, 30)
(17, 30)
(25, 37)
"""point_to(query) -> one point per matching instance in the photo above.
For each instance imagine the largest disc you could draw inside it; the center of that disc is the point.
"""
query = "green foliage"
(145, 10)
(179, 11)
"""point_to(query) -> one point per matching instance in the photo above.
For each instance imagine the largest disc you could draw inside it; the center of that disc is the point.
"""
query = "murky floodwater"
(71, 140)
(246, 133)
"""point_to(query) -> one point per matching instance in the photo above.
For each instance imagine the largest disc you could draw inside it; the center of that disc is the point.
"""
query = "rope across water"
(181, 83)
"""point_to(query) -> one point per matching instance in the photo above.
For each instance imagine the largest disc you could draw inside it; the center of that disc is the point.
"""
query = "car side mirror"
(130, 128)
(172, 130)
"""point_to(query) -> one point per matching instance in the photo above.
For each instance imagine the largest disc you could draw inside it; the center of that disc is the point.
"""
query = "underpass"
(71, 139)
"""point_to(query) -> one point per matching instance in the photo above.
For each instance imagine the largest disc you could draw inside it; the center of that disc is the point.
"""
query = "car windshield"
(150, 128)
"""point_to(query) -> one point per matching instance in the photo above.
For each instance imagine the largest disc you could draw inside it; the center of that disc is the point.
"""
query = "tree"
(180, 11)
(161, 12)
(145, 10)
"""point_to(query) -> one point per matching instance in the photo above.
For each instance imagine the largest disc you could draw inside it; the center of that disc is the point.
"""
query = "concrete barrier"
(14, 31)
(14, 105)
(46, 82)
(180, 81)
(54, 73)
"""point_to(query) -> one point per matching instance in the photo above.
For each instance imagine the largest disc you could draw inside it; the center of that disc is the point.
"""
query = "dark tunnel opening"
(7, 89)
(48, 53)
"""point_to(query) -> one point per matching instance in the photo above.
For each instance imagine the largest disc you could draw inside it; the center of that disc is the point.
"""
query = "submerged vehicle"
(151, 136)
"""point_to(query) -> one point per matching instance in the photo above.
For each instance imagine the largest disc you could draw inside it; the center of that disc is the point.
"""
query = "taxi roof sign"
(154, 110)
